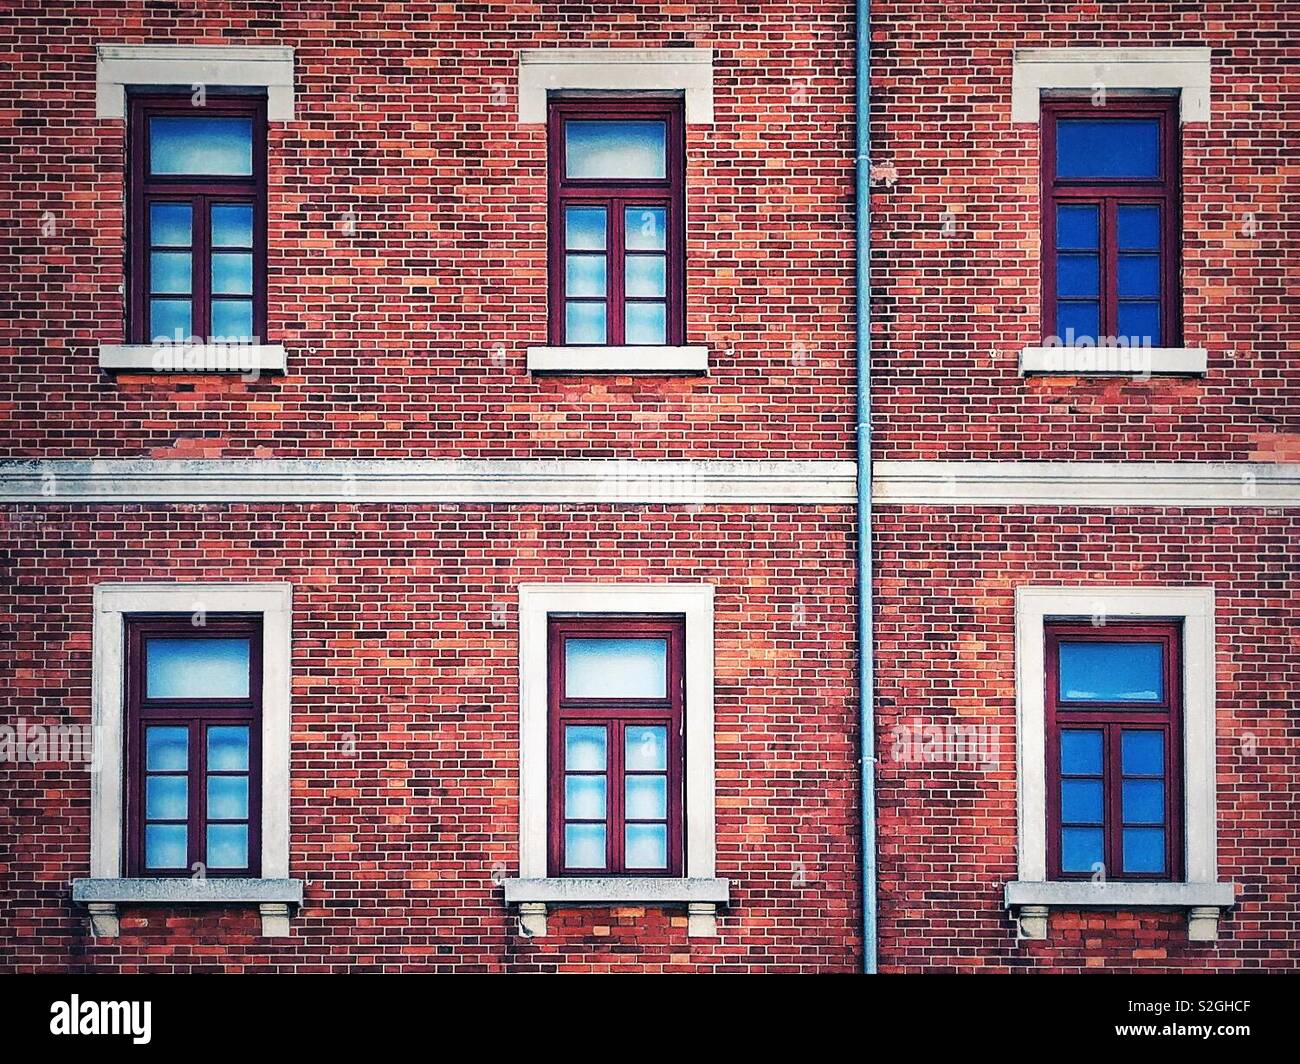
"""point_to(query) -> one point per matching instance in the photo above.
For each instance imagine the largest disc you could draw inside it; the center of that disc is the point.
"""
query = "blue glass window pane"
(166, 798)
(646, 275)
(1139, 227)
(645, 748)
(646, 798)
(616, 668)
(645, 228)
(1112, 672)
(196, 668)
(584, 275)
(166, 749)
(645, 323)
(584, 323)
(169, 319)
(1076, 275)
(1144, 802)
(1077, 322)
(584, 748)
(228, 797)
(232, 274)
(1144, 850)
(1139, 275)
(1081, 753)
(201, 145)
(1107, 147)
(232, 319)
(169, 271)
(227, 846)
(584, 845)
(1139, 323)
(584, 797)
(165, 845)
(232, 225)
(1081, 801)
(584, 228)
(1081, 848)
(1142, 753)
(1076, 226)
(170, 225)
(615, 148)
(646, 845)
(228, 748)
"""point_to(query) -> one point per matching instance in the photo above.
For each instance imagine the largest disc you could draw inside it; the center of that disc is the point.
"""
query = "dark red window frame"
(1107, 194)
(196, 715)
(668, 192)
(1112, 719)
(616, 714)
(200, 192)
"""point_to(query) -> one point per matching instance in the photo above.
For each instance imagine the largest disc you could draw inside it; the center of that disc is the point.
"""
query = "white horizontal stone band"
(188, 66)
(577, 480)
(1114, 361)
(1181, 484)
(193, 358)
(685, 70)
(1036, 71)
(1087, 483)
(694, 359)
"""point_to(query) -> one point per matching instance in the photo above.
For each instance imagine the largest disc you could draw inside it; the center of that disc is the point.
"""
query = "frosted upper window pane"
(196, 668)
(616, 668)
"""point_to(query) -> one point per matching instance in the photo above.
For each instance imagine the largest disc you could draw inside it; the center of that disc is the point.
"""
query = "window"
(193, 748)
(1110, 222)
(616, 698)
(197, 263)
(1113, 713)
(617, 223)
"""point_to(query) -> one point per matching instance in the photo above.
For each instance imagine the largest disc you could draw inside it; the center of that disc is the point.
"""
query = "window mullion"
(615, 287)
(615, 812)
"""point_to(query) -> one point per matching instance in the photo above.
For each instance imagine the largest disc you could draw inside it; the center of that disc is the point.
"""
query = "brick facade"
(407, 264)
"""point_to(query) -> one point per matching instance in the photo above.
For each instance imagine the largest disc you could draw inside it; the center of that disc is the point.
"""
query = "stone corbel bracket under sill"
(1031, 903)
(276, 899)
(534, 898)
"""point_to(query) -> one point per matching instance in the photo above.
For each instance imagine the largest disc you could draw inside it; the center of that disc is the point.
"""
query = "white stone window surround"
(274, 892)
(1122, 71)
(184, 67)
(688, 71)
(1032, 895)
(699, 889)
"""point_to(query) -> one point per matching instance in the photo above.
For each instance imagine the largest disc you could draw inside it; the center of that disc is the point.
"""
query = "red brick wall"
(405, 731)
(952, 312)
(945, 647)
(407, 337)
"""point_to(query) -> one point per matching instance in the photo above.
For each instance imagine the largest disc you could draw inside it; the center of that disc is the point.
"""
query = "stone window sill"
(630, 360)
(534, 897)
(275, 898)
(193, 358)
(1139, 362)
(1204, 903)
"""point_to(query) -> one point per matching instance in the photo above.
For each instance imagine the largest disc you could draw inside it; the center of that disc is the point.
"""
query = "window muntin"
(1110, 236)
(198, 220)
(617, 223)
(1113, 714)
(193, 713)
(616, 745)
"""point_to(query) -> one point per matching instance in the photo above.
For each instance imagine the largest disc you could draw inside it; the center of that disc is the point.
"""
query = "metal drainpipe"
(866, 649)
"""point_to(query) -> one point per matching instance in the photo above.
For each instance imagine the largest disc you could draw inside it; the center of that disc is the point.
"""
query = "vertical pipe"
(866, 659)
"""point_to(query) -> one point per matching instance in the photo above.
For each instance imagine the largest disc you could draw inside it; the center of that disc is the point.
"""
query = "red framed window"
(1111, 222)
(193, 745)
(1114, 751)
(617, 222)
(617, 692)
(197, 189)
